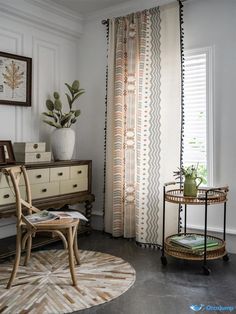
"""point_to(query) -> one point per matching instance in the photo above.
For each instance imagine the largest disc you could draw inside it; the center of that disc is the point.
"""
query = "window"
(198, 113)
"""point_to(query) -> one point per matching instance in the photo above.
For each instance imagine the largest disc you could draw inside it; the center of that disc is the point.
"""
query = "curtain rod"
(106, 21)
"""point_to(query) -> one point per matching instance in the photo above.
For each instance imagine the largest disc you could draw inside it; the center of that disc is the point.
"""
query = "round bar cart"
(205, 197)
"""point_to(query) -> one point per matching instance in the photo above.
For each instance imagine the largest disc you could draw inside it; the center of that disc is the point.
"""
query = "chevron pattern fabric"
(133, 180)
(44, 286)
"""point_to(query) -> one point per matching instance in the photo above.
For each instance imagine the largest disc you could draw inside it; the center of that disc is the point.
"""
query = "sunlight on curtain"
(143, 120)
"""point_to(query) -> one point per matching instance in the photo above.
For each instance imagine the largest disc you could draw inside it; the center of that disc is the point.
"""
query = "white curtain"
(143, 121)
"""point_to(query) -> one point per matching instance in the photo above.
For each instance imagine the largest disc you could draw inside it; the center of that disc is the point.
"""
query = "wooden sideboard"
(53, 185)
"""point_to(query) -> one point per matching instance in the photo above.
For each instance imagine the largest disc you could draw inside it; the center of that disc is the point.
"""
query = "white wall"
(54, 56)
(92, 74)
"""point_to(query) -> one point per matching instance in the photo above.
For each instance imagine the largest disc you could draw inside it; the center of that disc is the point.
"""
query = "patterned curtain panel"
(143, 120)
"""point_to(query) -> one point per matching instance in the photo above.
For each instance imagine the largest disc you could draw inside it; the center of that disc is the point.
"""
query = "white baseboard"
(218, 230)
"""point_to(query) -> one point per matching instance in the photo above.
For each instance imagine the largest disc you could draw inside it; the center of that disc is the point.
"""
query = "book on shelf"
(193, 242)
(45, 216)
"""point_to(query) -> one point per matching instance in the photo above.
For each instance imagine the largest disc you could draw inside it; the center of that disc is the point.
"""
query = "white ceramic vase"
(63, 143)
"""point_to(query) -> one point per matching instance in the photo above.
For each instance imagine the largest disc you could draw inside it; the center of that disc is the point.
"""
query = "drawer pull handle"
(39, 176)
(60, 174)
(38, 156)
(35, 146)
(80, 171)
(44, 190)
(6, 196)
(75, 186)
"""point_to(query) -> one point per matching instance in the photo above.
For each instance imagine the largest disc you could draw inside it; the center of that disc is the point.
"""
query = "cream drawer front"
(73, 186)
(79, 172)
(6, 196)
(44, 190)
(36, 176)
(29, 147)
(33, 157)
(59, 174)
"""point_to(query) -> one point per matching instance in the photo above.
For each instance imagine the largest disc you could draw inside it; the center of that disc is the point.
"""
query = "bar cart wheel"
(206, 270)
(164, 260)
(226, 258)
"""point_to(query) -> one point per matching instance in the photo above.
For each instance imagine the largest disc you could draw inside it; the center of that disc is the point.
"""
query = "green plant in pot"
(63, 137)
(190, 175)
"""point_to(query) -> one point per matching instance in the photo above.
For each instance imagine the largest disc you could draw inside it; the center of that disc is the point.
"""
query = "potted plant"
(190, 175)
(63, 137)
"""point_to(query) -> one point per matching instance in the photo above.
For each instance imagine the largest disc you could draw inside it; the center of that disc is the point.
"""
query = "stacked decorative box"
(31, 152)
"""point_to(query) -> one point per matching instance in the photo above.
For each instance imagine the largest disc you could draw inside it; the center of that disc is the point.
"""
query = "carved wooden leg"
(71, 256)
(28, 250)
(76, 251)
(17, 258)
(88, 212)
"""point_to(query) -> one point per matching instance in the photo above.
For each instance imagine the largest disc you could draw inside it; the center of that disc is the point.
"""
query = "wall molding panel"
(54, 53)
(46, 76)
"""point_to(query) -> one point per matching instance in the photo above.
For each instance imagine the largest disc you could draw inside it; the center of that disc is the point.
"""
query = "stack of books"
(194, 242)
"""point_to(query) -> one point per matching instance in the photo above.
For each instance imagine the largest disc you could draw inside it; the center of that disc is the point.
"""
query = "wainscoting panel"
(54, 61)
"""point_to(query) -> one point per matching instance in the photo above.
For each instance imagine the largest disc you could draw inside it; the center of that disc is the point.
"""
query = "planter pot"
(63, 143)
(191, 186)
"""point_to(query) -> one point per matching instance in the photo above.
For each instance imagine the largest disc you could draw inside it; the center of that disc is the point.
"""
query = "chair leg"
(75, 245)
(71, 256)
(17, 258)
(28, 250)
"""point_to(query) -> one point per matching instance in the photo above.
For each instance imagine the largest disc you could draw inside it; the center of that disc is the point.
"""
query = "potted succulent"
(190, 175)
(63, 137)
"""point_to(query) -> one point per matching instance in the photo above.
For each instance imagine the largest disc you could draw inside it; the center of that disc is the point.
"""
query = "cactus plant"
(63, 120)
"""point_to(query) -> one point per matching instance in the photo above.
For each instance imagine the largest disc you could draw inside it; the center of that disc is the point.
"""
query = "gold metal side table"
(205, 197)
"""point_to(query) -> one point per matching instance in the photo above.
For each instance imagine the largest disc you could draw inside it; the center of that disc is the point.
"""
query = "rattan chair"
(65, 228)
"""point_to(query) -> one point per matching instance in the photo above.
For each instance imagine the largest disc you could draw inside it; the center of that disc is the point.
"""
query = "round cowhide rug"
(44, 286)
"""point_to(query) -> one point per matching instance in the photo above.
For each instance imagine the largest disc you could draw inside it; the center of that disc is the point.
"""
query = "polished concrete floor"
(158, 289)
(165, 290)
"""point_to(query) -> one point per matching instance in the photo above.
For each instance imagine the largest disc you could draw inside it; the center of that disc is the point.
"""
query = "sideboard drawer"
(79, 172)
(7, 197)
(73, 186)
(59, 174)
(37, 176)
(44, 190)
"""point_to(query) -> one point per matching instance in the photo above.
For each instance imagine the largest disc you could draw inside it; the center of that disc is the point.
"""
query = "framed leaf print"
(15, 79)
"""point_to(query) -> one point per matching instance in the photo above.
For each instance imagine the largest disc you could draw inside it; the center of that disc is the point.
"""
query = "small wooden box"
(33, 157)
(27, 147)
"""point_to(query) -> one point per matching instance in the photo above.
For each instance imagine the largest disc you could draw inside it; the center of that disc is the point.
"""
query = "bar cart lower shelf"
(206, 197)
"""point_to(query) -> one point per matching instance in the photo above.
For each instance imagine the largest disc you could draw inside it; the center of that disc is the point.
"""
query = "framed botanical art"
(15, 79)
(6, 153)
